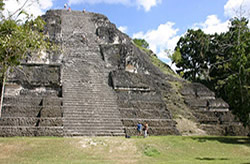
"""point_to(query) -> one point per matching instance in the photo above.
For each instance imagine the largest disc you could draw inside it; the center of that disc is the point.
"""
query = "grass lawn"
(167, 149)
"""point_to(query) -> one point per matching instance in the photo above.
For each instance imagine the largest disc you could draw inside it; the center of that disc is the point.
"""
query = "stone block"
(36, 75)
(20, 111)
(10, 131)
(217, 105)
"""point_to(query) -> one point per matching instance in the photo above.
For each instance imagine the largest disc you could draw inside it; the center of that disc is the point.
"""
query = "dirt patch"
(188, 127)
(115, 149)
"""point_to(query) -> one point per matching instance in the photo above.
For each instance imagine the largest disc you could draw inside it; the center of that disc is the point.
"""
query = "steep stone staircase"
(90, 105)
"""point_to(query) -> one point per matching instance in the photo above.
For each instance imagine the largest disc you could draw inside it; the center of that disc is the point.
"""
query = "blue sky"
(160, 22)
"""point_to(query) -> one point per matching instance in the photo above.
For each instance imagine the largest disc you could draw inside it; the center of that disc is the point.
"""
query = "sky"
(160, 22)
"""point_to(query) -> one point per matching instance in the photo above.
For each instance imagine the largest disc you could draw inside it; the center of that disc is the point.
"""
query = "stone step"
(90, 108)
(31, 111)
(71, 133)
(94, 130)
(85, 89)
(10, 131)
(88, 74)
(74, 94)
(30, 121)
(91, 98)
(93, 103)
(89, 116)
(89, 105)
(130, 122)
(33, 101)
(92, 112)
(89, 123)
(91, 119)
(89, 127)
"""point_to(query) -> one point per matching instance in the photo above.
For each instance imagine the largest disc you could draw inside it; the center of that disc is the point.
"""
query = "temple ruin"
(101, 84)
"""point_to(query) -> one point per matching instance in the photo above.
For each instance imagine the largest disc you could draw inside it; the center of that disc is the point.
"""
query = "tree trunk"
(2, 94)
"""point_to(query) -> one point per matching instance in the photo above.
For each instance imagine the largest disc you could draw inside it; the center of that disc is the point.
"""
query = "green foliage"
(220, 61)
(190, 54)
(141, 43)
(231, 79)
(1, 5)
(17, 40)
(151, 151)
(176, 56)
(162, 66)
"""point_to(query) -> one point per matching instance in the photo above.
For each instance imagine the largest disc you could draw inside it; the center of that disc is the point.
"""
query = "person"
(145, 130)
(139, 129)
(84, 11)
(65, 6)
(69, 8)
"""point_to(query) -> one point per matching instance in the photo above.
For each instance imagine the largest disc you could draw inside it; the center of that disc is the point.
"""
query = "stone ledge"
(10, 131)
(31, 121)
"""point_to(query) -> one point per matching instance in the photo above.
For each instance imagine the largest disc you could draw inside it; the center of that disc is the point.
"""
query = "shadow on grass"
(226, 140)
(211, 159)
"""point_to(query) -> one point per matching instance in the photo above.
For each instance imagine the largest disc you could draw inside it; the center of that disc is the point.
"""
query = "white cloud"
(146, 4)
(212, 25)
(237, 8)
(123, 29)
(32, 7)
(160, 39)
(166, 37)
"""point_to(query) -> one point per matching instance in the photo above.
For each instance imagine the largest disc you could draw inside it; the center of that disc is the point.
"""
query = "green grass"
(167, 149)
(163, 66)
(157, 62)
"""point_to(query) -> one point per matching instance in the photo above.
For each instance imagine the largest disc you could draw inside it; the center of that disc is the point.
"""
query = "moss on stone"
(163, 66)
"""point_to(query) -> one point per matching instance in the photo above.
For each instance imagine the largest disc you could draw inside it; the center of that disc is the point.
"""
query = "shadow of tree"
(210, 159)
(226, 140)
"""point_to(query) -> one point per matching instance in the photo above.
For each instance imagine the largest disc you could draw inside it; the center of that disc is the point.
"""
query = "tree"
(1, 5)
(190, 54)
(231, 71)
(141, 43)
(19, 39)
(221, 62)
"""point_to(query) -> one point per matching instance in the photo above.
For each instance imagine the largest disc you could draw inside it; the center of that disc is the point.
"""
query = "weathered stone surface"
(217, 105)
(10, 131)
(36, 75)
(212, 113)
(31, 121)
(197, 90)
(32, 102)
(126, 81)
(32, 111)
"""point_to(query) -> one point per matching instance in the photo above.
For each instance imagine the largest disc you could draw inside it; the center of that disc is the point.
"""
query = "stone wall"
(32, 101)
(212, 113)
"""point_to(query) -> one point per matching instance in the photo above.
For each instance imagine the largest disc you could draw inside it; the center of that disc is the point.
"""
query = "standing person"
(65, 6)
(69, 9)
(139, 129)
(145, 129)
